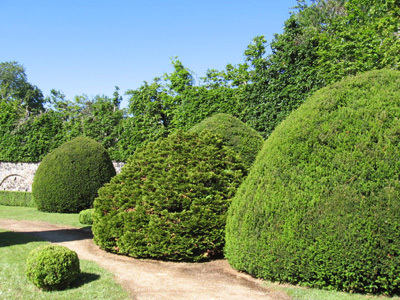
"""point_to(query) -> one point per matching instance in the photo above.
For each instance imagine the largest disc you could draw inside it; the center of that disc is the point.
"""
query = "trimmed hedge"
(321, 204)
(14, 198)
(68, 178)
(243, 139)
(52, 267)
(170, 199)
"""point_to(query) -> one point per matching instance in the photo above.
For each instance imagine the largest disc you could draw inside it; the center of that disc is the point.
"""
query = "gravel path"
(147, 279)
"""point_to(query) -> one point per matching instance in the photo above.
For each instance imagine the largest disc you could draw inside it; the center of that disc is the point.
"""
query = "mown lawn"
(32, 214)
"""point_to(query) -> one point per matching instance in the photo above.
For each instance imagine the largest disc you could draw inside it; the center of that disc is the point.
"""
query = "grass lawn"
(93, 283)
(32, 214)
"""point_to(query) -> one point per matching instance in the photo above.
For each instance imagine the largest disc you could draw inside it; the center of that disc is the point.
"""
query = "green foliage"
(243, 139)
(86, 216)
(14, 87)
(320, 205)
(68, 178)
(321, 44)
(52, 267)
(170, 199)
(12, 198)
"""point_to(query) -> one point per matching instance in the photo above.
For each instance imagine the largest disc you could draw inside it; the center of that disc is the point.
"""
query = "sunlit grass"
(32, 214)
(93, 283)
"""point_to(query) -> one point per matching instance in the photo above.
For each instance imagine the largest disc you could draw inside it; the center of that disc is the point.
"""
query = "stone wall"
(19, 176)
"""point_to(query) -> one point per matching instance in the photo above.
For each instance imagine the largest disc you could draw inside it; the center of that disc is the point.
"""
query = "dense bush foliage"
(68, 178)
(170, 199)
(86, 216)
(12, 198)
(243, 139)
(52, 267)
(320, 205)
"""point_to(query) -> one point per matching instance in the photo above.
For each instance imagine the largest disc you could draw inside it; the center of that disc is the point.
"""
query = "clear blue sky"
(90, 46)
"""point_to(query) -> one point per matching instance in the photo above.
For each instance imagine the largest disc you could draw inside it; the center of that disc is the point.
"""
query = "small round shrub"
(321, 204)
(52, 267)
(243, 139)
(170, 199)
(68, 178)
(86, 216)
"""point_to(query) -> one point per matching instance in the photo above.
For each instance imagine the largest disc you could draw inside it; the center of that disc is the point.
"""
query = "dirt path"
(152, 279)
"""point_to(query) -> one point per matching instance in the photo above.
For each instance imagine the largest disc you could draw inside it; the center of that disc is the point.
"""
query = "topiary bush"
(68, 178)
(321, 204)
(86, 216)
(52, 267)
(170, 199)
(243, 139)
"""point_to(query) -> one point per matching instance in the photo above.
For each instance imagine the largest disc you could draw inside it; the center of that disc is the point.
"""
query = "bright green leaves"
(170, 200)
(318, 205)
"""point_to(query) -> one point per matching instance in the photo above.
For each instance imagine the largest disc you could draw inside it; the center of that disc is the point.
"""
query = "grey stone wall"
(19, 176)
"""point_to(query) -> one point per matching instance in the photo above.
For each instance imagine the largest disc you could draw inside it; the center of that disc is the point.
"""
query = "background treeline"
(321, 43)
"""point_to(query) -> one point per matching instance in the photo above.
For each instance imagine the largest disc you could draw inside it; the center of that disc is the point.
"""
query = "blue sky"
(90, 46)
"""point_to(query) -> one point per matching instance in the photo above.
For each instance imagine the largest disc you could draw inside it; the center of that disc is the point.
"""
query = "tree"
(14, 87)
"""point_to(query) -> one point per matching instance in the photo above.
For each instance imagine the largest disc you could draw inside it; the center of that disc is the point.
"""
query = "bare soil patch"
(147, 279)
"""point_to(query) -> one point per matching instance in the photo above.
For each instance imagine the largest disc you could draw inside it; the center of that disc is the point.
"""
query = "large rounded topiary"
(243, 139)
(68, 178)
(170, 199)
(321, 204)
(52, 267)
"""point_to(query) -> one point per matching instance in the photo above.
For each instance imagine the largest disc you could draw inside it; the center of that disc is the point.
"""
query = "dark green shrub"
(52, 267)
(321, 204)
(14, 198)
(243, 139)
(86, 216)
(170, 199)
(68, 178)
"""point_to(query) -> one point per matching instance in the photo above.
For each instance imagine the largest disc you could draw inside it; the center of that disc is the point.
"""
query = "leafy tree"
(14, 87)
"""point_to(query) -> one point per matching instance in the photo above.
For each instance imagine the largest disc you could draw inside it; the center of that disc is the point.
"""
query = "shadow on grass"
(8, 238)
(84, 278)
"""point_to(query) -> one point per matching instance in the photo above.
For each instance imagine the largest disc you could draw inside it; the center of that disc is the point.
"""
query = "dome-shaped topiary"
(68, 178)
(243, 139)
(52, 267)
(170, 199)
(86, 216)
(321, 204)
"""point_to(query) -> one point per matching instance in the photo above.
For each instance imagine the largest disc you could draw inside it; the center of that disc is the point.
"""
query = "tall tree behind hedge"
(321, 44)
(14, 87)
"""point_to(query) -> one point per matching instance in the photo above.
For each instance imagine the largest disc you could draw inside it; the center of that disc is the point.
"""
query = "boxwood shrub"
(52, 267)
(86, 216)
(68, 178)
(243, 139)
(321, 204)
(170, 199)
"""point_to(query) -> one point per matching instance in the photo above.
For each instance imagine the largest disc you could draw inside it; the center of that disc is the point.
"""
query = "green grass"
(32, 214)
(93, 283)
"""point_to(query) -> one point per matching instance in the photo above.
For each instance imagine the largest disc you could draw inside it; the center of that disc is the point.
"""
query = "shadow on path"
(63, 235)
